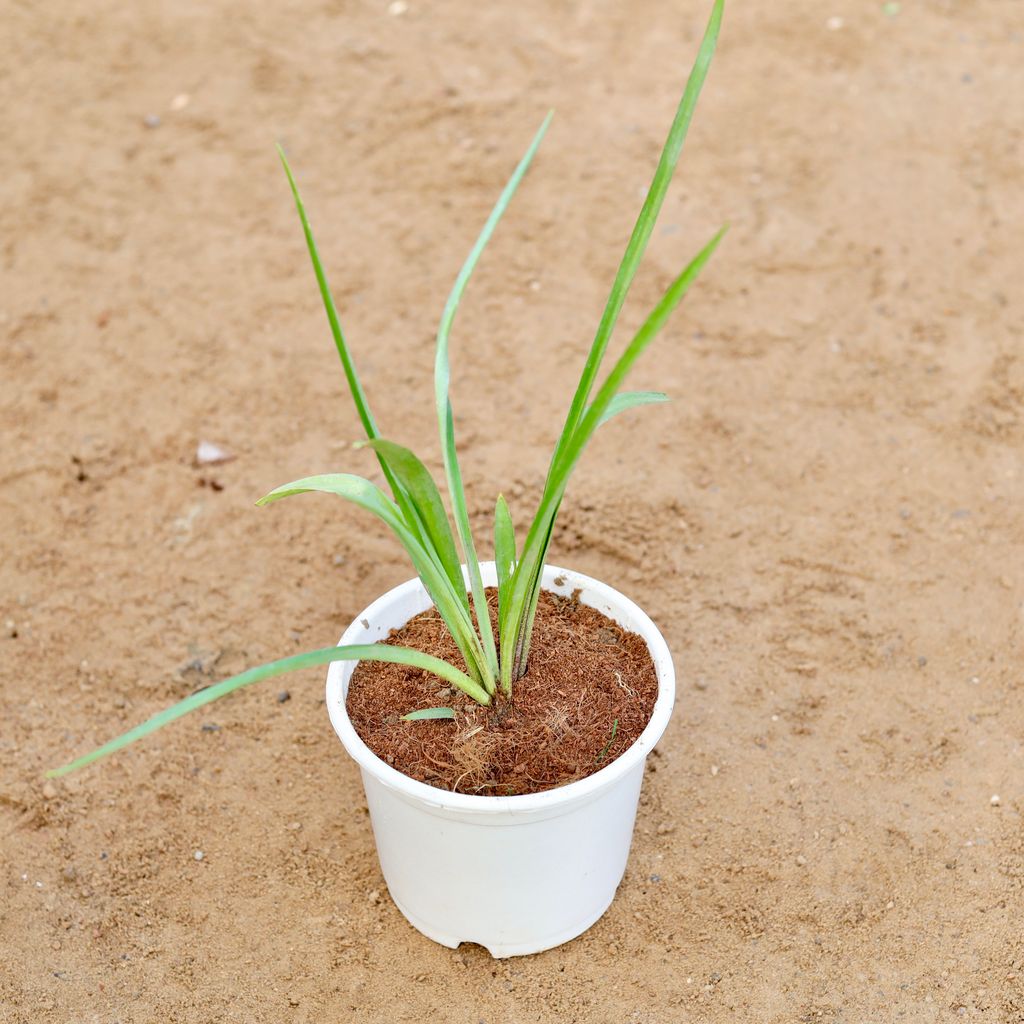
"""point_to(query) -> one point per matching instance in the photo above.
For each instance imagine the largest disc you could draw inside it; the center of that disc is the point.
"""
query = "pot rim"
(525, 802)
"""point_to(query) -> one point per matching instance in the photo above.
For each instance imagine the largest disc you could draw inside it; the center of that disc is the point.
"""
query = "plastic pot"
(516, 874)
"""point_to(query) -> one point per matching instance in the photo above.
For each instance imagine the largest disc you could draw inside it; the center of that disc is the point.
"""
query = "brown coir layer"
(587, 679)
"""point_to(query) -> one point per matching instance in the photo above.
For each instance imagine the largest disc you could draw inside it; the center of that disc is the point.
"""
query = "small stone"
(995, 801)
(180, 102)
(700, 683)
(665, 828)
(1006, 583)
(293, 1000)
(210, 727)
(49, 791)
(922, 661)
(294, 826)
(210, 454)
(714, 769)
(374, 896)
(834, 23)
(151, 121)
(397, 8)
(199, 855)
(283, 697)
(801, 861)
(890, 905)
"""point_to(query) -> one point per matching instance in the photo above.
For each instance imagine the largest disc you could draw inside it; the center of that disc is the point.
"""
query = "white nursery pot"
(516, 874)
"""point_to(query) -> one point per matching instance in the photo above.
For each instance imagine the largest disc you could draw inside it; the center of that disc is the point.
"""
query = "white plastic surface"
(516, 874)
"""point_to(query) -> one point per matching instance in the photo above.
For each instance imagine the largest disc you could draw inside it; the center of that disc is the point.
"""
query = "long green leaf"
(324, 656)
(354, 386)
(365, 494)
(631, 400)
(442, 381)
(528, 572)
(645, 222)
(426, 505)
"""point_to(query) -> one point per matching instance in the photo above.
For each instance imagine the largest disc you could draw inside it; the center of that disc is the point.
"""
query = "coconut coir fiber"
(588, 693)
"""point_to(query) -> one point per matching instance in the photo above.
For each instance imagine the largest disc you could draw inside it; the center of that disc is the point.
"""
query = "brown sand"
(826, 522)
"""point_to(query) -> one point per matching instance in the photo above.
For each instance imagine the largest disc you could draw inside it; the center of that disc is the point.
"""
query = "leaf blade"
(425, 502)
(428, 714)
(644, 226)
(359, 398)
(442, 382)
(323, 656)
(448, 603)
(626, 400)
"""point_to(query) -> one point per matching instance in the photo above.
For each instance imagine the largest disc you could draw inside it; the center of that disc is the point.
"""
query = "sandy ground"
(827, 522)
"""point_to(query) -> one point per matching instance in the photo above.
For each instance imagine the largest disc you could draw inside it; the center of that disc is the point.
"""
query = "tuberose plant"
(415, 512)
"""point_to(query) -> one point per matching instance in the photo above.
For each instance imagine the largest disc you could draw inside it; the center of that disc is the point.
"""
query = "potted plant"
(522, 872)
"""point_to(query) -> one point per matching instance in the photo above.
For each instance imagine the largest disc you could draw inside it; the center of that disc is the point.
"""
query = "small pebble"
(49, 791)
(834, 23)
(151, 120)
(801, 861)
(180, 102)
(210, 727)
(210, 454)
(294, 826)
(374, 896)
(995, 801)
(397, 8)
(283, 697)
(665, 828)
(199, 855)
(714, 769)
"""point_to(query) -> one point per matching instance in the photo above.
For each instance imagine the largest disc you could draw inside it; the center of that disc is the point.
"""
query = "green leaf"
(324, 656)
(527, 578)
(631, 400)
(356, 389)
(450, 604)
(645, 222)
(424, 502)
(442, 381)
(425, 714)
